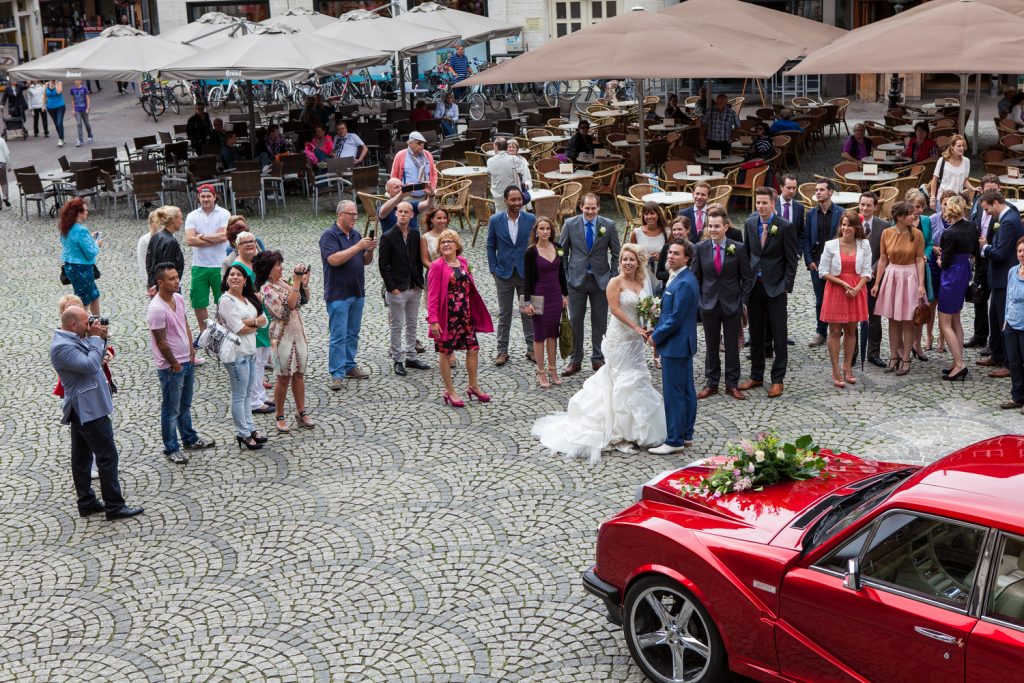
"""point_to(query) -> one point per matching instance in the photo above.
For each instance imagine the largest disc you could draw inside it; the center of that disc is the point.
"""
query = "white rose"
(759, 456)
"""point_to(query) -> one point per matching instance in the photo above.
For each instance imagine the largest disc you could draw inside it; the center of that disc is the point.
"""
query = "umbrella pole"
(640, 106)
(252, 119)
(963, 102)
(977, 112)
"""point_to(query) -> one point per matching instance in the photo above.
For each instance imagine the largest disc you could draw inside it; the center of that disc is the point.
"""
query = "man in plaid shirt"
(718, 125)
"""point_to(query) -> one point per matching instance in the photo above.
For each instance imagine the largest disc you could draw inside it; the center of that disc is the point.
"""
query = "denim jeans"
(242, 373)
(1014, 340)
(58, 121)
(80, 118)
(176, 407)
(344, 318)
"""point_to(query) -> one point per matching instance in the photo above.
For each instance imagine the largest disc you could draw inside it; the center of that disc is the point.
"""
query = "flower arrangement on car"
(760, 463)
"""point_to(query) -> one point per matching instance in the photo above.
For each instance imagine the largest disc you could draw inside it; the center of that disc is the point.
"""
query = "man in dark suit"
(821, 223)
(772, 252)
(723, 272)
(1001, 255)
(76, 353)
(592, 243)
(873, 227)
(402, 272)
(508, 235)
(675, 338)
(983, 222)
(697, 213)
(790, 208)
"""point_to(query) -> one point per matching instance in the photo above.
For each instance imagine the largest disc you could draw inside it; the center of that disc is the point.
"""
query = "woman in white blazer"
(845, 265)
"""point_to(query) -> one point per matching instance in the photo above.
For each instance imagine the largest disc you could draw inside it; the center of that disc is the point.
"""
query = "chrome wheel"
(670, 634)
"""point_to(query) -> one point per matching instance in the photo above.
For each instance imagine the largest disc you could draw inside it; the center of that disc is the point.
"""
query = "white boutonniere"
(995, 227)
(731, 250)
(560, 252)
(774, 230)
(601, 231)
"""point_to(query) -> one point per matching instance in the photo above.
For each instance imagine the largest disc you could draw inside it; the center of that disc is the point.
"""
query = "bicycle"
(156, 98)
(443, 82)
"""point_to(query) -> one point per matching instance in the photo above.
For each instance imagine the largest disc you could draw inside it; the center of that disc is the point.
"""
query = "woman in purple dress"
(959, 243)
(545, 281)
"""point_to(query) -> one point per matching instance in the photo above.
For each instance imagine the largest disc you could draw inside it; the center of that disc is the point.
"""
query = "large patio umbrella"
(623, 47)
(970, 37)
(119, 53)
(367, 28)
(300, 18)
(472, 27)
(804, 33)
(202, 26)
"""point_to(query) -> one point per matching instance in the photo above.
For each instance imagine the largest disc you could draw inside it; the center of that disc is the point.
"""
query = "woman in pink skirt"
(899, 283)
(845, 265)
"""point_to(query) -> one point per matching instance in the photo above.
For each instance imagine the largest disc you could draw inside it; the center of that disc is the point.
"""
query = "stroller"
(14, 123)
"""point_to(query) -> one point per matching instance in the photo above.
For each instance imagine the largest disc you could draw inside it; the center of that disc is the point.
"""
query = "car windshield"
(854, 506)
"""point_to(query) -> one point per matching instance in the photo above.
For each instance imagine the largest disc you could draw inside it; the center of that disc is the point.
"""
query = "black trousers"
(980, 301)
(874, 326)
(996, 316)
(715, 326)
(36, 115)
(760, 309)
(95, 437)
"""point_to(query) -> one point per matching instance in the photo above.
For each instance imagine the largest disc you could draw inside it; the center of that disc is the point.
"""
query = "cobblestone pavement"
(399, 541)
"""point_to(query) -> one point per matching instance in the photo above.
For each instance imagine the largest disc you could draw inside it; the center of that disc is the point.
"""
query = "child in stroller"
(15, 106)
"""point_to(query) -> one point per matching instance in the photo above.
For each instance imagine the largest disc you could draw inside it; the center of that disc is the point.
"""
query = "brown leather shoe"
(775, 391)
(597, 365)
(736, 394)
(571, 369)
(529, 357)
(987, 363)
(751, 384)
(501, 358)
(706, 392)
(1010, 405)
(1001, 373)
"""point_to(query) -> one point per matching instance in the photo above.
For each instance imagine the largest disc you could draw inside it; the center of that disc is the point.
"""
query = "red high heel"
(452, 401)
(478, 395)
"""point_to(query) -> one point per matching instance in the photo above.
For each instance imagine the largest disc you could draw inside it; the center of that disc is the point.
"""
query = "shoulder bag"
(523, 188)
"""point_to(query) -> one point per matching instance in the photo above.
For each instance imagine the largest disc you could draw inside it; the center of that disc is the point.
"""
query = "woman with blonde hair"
(163, 247)
(617, 407)
(142, 246)
(544, 280)
(456, 313)
(959, 242)
(952, 172)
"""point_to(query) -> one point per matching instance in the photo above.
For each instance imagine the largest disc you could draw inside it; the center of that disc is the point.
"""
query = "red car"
(880, 573)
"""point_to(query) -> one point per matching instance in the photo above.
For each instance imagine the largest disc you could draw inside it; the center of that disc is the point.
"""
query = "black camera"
(301, 269)
(102, 320)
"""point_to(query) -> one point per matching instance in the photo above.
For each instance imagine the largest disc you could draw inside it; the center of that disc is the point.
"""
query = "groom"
(675, 337)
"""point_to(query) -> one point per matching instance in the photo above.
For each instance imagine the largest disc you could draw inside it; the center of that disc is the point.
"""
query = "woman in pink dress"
(845, 265)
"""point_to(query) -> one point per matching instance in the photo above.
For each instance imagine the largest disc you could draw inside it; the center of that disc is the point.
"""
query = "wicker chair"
(483, 209)
(604, 181)
(548, 206)
(370, 202)
(446, 163)
(455, 200)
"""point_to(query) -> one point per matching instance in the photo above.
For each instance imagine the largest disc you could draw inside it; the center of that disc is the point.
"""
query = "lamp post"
(894, 82)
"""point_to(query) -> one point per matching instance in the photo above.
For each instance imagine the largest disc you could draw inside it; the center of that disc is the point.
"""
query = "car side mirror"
(852, 578)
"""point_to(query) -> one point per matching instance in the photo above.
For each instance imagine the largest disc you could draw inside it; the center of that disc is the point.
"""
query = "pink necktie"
(718, 259)
(700, 221)
(764, 233)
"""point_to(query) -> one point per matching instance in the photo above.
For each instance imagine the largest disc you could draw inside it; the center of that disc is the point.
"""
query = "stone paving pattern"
(399, 541)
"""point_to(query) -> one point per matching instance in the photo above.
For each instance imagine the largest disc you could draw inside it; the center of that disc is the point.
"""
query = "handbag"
(523, 189)
(921, 313)
(564, 335)
(64, 276)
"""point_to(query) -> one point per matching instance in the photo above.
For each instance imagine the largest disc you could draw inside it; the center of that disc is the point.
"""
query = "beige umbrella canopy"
(472, 27)
(641, 44)
(368, 28)
(301, 18)
(202, 26)
(737, 15)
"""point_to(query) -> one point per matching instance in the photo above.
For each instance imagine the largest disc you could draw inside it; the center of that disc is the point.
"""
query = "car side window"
(933, 557)
(1006, 597)
(837, 559)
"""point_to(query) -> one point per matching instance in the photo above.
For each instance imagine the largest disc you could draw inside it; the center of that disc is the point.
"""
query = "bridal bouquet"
(760, 463)
(649, 310)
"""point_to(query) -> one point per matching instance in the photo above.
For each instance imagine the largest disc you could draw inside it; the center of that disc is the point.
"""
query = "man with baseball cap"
(206, 232)
(415, 164)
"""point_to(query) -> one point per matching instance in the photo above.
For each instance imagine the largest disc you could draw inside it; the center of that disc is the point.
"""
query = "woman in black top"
(672, 110)
(544, 279)
(958, 243)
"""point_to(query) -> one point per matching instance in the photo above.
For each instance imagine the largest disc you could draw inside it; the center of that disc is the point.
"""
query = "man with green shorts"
(206, 231)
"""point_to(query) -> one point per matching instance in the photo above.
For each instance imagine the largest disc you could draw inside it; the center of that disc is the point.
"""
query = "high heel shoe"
(542, 380)
(304, 419)
(920, 356)
(893, 362)
(904, 367)
(478, 395)
(258, 438)
(452, 401)
(553, 374)
(249, 443)
(839, 384)
(958, 377)
(278, 421)
(848, 376)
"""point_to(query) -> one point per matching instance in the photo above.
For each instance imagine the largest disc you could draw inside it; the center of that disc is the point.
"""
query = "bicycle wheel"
(476, 105)
(494, 96)
(584, 98)
(153, 105)
(549, 92)
(216, 98)
(182, 93)
(172, 101)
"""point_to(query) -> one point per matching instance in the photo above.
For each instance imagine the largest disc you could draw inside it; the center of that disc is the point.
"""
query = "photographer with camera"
(76, 352)
(239, 310)
(175, 357)
(282, 300)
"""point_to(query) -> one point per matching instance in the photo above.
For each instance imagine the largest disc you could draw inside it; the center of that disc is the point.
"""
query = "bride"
(617, 406)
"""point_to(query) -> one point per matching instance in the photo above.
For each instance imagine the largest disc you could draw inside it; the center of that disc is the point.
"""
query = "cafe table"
(703, 177)
(668, 197)
(846, 198)
(575, 175)
(462, 171)
(880, 177)
(727, 160)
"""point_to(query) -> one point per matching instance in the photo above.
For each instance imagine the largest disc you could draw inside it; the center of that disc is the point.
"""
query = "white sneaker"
(60, 143)
(78, 144)
(666, 449)
(90, 141)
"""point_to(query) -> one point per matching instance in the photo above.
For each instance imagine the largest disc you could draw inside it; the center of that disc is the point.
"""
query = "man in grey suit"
(76, 353)
(593, 245)
(873, 227)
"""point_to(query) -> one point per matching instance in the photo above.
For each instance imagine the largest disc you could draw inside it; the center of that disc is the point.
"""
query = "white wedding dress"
(617, 404)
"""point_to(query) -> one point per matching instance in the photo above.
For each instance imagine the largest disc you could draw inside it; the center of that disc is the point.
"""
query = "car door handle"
(937, 635)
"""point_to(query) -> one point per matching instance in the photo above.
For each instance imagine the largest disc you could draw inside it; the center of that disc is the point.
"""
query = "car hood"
(760, 515)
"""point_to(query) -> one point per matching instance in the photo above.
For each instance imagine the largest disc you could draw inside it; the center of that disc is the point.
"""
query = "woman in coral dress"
(845, 266)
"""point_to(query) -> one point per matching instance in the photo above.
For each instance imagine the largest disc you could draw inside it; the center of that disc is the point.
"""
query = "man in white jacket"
(37, 104)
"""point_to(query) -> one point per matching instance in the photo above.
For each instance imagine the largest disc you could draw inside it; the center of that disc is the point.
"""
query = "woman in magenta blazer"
(455, 312)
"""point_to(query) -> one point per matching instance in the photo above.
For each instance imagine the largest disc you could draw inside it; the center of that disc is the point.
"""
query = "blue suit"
(816, 233)
(1001, 256)
(676, 339)
(505, 260)
(691, 215)
(86, 408)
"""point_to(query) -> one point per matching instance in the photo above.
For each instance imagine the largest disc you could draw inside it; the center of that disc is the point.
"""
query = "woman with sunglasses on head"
(239, 309)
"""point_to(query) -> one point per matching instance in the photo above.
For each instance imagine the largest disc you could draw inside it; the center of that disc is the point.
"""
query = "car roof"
(983, 482)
